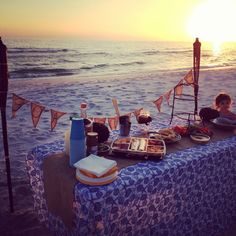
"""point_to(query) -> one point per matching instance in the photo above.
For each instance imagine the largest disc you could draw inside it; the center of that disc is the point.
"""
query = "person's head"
(223, 100)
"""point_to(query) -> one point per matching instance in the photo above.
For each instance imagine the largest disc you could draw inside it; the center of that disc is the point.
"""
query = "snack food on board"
(167, 133)
(139, 146)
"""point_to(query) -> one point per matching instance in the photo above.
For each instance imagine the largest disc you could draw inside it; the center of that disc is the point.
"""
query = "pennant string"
(37, 109)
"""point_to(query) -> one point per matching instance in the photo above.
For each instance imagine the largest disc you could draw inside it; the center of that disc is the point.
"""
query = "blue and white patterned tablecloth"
(192, 192)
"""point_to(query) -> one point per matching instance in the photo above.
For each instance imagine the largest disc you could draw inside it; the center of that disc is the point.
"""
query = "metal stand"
(189, 116)
(184, 115)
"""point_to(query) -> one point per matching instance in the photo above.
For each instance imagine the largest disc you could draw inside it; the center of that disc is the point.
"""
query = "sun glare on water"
(214, 21)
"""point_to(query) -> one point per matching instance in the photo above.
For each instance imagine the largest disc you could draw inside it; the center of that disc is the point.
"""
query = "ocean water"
(30, 58)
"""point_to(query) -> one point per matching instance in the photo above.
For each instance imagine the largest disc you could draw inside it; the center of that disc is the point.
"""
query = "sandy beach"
(65, 94)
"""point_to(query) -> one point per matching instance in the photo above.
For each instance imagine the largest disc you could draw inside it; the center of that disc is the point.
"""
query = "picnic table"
(190, 192)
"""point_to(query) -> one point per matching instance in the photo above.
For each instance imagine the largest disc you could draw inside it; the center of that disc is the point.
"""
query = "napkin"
(95, 165)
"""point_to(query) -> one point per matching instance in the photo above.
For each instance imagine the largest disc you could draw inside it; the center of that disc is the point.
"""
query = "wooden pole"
(3, 103)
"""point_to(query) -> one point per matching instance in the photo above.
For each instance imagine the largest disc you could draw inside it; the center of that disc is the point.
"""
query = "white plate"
(95, 180)
(222, 125)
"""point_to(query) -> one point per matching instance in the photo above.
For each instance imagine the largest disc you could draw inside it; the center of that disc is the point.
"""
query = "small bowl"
(103, 150)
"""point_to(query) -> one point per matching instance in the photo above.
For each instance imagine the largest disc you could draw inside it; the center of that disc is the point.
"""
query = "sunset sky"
(173, 20)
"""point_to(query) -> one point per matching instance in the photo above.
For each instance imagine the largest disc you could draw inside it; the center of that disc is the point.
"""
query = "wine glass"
(144, 119)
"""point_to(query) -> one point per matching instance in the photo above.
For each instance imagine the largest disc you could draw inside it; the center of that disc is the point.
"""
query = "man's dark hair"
(208, 114)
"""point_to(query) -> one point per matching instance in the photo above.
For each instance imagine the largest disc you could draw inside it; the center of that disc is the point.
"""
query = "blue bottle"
(77, 140)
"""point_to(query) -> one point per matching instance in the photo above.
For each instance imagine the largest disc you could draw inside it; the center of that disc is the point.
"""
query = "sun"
(213, 21)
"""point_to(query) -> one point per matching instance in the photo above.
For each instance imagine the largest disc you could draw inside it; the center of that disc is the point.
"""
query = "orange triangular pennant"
(115, 104)
(167, 96)
(99, 120)
(36, 111)
(179, 88)
(55, 115)
(158, 103)
(113, 122)
(137, 113)
(17, 103)
(189, 78)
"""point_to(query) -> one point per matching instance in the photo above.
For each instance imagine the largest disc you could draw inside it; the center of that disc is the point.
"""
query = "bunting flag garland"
(17, 103)
(189, 78)
(113, 122)
(100, 120)
(158, 103)
(179, 88)
(167, 96)
(36, 111)
(115, 104)
(55, 116)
